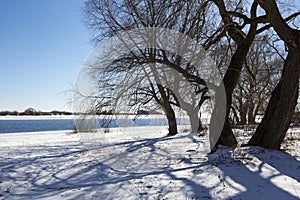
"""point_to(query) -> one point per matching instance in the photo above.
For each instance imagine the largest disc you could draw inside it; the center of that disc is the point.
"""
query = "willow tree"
(275, 123)
(243, 38)
(242, 27)
(108, 18)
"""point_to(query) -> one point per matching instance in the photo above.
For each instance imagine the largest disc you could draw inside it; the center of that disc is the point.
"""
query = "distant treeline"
(33, 112)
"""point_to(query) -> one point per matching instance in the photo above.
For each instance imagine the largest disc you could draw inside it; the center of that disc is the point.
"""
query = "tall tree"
(243, 42)
(274, 125)
(110, 17)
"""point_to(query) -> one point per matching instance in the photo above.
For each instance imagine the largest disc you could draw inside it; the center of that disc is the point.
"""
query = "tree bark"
(171, 120)
(251, 114)
(273, 127)
(243, 114)
(230, 80)
(233, 72)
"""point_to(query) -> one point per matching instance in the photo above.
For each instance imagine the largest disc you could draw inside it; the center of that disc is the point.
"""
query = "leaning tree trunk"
(170, 114)
(172, 123)
(165, 103)
(230, 80)
(273, 127)
(233, 72)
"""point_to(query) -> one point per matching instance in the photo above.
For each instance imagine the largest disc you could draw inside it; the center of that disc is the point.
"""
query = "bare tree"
(107, 18)
(272, 130)
(235, 23)
(242, 25)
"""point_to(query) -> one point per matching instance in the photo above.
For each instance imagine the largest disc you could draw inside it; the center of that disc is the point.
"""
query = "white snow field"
(142, 163)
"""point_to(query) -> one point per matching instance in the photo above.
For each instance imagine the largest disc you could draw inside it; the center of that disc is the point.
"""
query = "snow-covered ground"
(141, 163)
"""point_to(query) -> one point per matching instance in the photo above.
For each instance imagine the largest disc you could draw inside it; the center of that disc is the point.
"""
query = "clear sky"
(42, 46)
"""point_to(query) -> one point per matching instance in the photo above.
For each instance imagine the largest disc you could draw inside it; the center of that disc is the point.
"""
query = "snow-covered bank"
(141, 163)
(36, 138)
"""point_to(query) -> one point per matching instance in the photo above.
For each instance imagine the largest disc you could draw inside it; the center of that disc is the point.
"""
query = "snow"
(142, 163)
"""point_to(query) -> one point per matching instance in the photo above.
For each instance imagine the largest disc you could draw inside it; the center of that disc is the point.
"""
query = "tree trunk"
(230, 80)
(273, 127)
(243, 114)
(165, 103)
(251, 114)
(196, 124)
(226, 137)
(171, 120)
(235, 119)
(233, 72)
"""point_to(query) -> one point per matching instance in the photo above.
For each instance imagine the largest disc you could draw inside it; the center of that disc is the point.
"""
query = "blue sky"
(42, 46)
